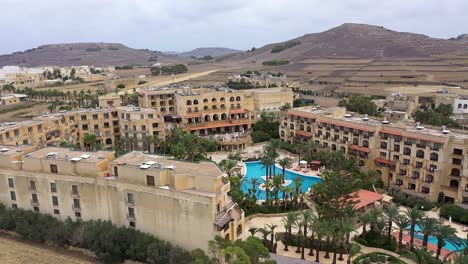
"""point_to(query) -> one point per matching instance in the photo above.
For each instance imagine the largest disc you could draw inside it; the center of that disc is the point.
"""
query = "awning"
(220, 124)
(193, 115)
(304, 133)
(358, 148)
(386, 161)
(238, 111)
(344, 124)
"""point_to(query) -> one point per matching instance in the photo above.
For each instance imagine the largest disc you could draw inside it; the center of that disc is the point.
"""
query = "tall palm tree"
(320, 230)
(420, 256)
(298, 181)
(402, 222)
(268, 163)
(311, 147)
(414, 215)
(287, 190)
(305, 216)
(253, 230)
(228, 166)
(445, 233)
(299, 149)
(461, 258)
(277, 184)
(428, 226)
(265, 233)
(255, 182)
(284, 163)
(365, 219)
(268, 186)
(272, 228)
(289, 221)
(390, 213)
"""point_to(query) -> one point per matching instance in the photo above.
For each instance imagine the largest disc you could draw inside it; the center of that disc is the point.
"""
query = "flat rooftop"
(70, 154)
(131, 109)
(10, 150)
(4, 126)
(270, 90)
(137, 159)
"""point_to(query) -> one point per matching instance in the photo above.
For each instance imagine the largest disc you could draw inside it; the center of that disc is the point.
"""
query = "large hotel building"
(412, 159)
(182, 202)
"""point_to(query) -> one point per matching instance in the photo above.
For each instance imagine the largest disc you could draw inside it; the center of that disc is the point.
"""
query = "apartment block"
(412, 159)
(184, 203)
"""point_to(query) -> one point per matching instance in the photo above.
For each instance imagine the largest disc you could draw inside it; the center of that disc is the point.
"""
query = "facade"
(411, 159)
(110, 100)
(10, 99)
(184, 203)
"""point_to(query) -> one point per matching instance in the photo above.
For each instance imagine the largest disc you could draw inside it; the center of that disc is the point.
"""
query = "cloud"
(183, 25)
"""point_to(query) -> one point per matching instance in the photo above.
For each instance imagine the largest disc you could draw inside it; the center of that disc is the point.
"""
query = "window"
(54, 200)
(14, 206)
(95, 117)
(396, 148)
(420, 154)
(53, 168)
(78, 214)
(116, 171)
(13, 196)
(218, 207)
(11, 183)
(150, 116)
(454, 184)
(32, 185)
(455, 172)
(130, 198)
(131, 212)
(53, 187)
(434, 156)
(419, 164)
(150, 180)
(34, 198)
(429, 178)
(457, 161)
(36, 209)
(131, 224)
(76, 203)
(425, 190)
(75, 189)
(56, 211)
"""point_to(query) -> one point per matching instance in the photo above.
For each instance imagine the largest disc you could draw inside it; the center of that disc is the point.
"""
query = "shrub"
(457, 213)
(167, 70)
(413, 202)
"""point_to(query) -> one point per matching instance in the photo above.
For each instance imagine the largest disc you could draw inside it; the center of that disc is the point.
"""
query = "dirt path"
(16, 252)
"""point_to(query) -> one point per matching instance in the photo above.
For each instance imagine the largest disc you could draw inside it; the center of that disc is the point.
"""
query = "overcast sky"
(176, 25)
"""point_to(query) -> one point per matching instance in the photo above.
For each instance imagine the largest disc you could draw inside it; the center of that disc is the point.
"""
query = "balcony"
(131, 217)
(34, 203)
(76, 208)
(75, 195)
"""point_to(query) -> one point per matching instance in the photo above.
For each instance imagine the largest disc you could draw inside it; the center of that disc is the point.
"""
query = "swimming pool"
(433, 240)
(257, 170)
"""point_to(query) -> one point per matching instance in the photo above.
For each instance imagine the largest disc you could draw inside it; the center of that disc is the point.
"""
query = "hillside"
(98, 54)
(213, 52)
(358, 41)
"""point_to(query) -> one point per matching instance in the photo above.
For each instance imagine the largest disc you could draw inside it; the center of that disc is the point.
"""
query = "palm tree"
(390, 213)
(268, 162)
(461, 258)
(353, 250)
(311, 148)
(320, 230)
(305, 216)
(428, 226)
(420, 256)
(298, 183)
(365, 219)
(414, 215)
(284, 163)
(155, 140)
(255, 182)
(228, 166)
(402, 222)
(288, 221)
(299, 149)
(90, 141)
(277, 184)
(253, 230)
(272, 228)
(298, 226)
(268, 186)
(444, 234)
(265, 233)
(286, 190)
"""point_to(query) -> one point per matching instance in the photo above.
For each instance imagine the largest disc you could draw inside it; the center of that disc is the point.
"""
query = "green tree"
(414, 215)
(428, 226)
(90, 141)
(390, 213)
(229, 166)
(284, 163)
(289, 221)
(362, 104)
(420, 256)
(402, 222)
(444, 234)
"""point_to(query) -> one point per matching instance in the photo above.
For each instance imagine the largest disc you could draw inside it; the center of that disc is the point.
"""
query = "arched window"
(189, 102)
(455, 172)
(195, 102)
(309, 129)
(223, 106)
(434, 156)
(365, 143)
(282, 133)
(429, 178)
(343, 149)
(415, 175)
(333, 147)
(206, 107)
(465, 106)
(214, 107)
(355, 141)
(205, 100)
(231, 99)
(223, 116)
(454, 184)
(399, 182)
(301, 127)
(238, 98)
(108, 141)
(420, 154)
(215, 117)
(407, 151)
(213, 100)
(459, 105)
(207, 118)
(222, 99)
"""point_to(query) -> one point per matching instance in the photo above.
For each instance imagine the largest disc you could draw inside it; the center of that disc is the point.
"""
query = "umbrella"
(302, 162)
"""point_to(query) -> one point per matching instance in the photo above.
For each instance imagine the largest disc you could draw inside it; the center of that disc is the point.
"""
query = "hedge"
(377, 257)
(110, 243)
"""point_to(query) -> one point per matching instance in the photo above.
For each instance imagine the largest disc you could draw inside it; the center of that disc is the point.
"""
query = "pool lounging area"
(433, 240)
(257, 170)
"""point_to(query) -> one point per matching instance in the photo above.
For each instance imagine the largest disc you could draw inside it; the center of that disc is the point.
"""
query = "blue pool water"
(257, 170)
(433, 240)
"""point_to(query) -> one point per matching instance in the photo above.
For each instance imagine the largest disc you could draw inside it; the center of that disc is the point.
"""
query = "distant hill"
(358, 41)
(213, 52)
(98, 54)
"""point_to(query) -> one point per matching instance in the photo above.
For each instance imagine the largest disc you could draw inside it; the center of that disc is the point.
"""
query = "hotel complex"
(152, 193)
(412, 159)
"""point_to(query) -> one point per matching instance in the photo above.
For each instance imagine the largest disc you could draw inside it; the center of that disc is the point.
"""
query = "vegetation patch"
(287, 45)
(438, 116)
(457, 213)
(377, 257)
(275, 62)
(168, 70)
(360, 104)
